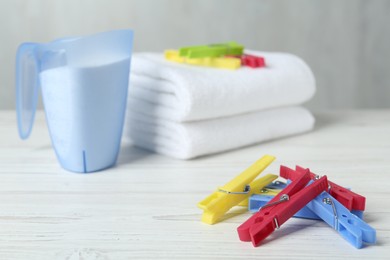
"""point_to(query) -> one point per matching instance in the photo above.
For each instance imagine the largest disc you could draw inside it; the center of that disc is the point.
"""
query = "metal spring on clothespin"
(282, 198)
(330, 202)
(245, 191)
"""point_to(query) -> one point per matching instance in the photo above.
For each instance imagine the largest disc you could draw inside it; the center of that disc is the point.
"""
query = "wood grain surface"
(145, 207)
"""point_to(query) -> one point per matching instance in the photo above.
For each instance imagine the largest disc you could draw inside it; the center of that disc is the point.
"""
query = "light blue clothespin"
(256, 201)
(348, 225)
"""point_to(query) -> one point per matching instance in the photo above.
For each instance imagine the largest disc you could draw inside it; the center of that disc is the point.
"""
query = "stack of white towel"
(186, 111)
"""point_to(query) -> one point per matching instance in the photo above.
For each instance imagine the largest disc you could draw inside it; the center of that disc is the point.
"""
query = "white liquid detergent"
(85, 106)
(84, 83)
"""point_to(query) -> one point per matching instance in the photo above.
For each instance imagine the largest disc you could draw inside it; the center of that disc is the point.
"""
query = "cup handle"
(27, 87)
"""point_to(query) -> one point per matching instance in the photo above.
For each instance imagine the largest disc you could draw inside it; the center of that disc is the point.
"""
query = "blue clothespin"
(256, 201)
(348, 225)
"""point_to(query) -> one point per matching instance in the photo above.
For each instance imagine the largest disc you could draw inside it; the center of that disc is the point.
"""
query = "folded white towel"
(193, 139)
(181, 92)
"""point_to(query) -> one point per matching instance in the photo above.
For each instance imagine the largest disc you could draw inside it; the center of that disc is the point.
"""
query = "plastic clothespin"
(257, 201)
(349, 226)
(173, 55)
(235, 191)
(348, 198)
(212, 50)
(251, 60)
(282, 207)
(218, 62)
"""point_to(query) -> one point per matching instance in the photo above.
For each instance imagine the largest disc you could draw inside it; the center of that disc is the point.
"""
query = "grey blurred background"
(346, 43)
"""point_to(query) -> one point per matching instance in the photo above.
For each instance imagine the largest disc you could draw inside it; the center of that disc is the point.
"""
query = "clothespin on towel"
(236, 191)
(212, 50)
(282, 207)
(215, 62)
(250, 60)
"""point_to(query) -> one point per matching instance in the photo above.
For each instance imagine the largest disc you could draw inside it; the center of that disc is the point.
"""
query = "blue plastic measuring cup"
(84, 82)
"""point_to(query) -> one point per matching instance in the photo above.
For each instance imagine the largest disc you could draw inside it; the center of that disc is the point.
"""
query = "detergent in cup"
(84, 82)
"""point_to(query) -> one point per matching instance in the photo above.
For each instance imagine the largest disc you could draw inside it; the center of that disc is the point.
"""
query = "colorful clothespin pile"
(224, 56)
(304, 195)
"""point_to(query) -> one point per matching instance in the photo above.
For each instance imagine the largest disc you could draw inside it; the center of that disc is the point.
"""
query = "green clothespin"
(212, 50)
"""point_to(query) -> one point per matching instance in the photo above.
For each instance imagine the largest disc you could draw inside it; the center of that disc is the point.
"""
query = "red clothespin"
(249, 60)
(282, 207)
(349, 199)
(252, 61)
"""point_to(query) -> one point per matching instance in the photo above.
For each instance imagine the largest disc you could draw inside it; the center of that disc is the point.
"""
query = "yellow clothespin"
(236, 191)
(215, 62)
(173, 55)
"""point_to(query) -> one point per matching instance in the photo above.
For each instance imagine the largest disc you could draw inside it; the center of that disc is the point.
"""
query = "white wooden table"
(145, 207)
